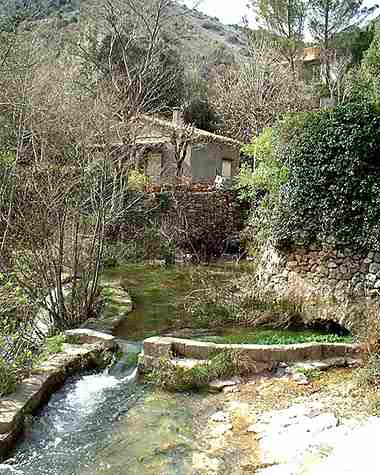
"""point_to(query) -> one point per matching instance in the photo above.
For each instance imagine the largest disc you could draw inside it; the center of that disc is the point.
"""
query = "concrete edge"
(157, 347)
(107, 324)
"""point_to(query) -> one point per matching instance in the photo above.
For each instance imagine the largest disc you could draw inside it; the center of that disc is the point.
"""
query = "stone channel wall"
(340, 274)
(261, 357)
(195, 222)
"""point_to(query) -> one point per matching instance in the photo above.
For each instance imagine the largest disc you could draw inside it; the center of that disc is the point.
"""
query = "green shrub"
(51, 346)
(54, 344)
(171, 377)
(261, 147)
(266, 174)
(267, 177)
(333, 192)
(260, 183)
(371, 60)
(137, 181)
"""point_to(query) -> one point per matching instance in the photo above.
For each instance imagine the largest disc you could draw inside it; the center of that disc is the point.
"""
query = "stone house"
(172, 152)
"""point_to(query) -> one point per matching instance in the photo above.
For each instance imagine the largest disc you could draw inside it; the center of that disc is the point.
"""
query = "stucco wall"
(203, 161)
(206, 161)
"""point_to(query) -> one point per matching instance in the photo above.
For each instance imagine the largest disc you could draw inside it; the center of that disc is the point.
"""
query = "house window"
(226, 168)
(153, 165)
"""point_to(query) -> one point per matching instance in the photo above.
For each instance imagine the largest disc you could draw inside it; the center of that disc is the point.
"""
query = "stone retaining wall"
(262, 356)
(197, 223)
(317, 270)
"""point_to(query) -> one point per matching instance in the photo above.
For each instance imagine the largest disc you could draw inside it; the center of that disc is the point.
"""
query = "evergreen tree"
(328, 18)
(285, 21)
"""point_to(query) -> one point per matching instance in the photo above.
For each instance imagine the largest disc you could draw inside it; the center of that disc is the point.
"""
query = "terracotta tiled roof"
(199, 135)
(311, 54)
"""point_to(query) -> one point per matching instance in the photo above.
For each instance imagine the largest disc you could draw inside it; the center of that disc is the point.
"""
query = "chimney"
(177, 116)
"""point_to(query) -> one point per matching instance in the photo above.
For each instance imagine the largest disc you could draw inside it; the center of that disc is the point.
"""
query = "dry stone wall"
(195, 223)
(318, 271)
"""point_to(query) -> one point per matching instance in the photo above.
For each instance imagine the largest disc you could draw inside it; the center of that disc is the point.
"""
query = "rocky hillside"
(201, 35)
(205, 34)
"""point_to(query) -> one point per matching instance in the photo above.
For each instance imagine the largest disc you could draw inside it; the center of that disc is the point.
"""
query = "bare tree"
(126, 44)
(64, 184)
(251, 95)
(339, 63)
(181, 139)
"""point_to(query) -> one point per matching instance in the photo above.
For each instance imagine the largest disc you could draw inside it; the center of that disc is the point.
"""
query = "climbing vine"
(333, 192)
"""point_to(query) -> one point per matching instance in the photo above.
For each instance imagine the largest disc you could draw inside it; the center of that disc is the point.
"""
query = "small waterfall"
(106, 424)
(76, 421)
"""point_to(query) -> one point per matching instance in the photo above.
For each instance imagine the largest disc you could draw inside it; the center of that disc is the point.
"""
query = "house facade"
(171, 152)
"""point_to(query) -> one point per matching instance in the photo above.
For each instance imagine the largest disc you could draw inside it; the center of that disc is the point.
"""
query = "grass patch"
(277, 337)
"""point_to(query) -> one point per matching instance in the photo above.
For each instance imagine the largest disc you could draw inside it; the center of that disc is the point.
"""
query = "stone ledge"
(43, 381)
(88, 336)
(107, 324)
(157, 347)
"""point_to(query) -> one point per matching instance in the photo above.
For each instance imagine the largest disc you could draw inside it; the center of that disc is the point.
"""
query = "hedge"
(333, 192)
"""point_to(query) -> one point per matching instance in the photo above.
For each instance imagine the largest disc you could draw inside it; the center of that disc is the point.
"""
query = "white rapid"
(64, 437)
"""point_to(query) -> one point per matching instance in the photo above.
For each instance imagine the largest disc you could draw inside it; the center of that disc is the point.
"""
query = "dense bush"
(259, 183)
(333, 192)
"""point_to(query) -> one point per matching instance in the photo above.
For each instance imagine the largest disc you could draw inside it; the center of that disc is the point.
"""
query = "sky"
(232, 11)
(228, 11)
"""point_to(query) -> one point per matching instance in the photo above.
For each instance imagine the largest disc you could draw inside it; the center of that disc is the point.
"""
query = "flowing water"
(107, 423)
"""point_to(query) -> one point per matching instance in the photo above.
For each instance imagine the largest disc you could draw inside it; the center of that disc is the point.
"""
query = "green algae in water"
(157, 436)
(158, 294)
(275, 337)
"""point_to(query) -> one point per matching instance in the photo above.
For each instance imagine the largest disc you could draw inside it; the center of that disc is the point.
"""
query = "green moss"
(177, 378)
(277, 337)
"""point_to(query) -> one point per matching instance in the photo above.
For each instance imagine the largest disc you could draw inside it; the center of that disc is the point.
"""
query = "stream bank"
(105, 423)
(83, 348)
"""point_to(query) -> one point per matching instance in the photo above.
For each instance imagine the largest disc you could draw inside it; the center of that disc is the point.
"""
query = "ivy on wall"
(333, 192)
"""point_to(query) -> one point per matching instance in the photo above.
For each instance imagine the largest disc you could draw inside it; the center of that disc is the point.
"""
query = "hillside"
(205, 34)
(199, 35)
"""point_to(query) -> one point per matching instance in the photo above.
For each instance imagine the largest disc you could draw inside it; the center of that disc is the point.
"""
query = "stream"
(108, 423)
